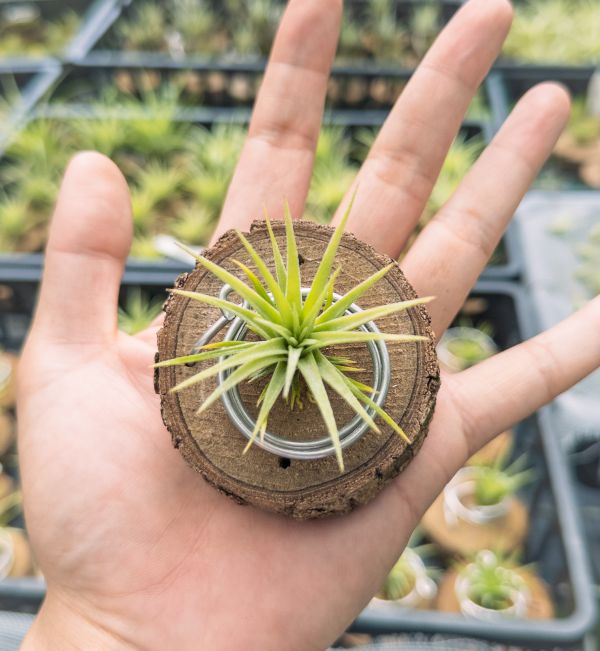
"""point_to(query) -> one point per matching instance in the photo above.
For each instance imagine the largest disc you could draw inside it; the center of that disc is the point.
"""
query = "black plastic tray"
(550, 268)
(97, 17)
(556, 541)
(512, 82)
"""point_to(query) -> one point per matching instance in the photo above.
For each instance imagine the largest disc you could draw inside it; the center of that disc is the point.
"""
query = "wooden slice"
(212, 445)
(502, 535)
(540, 605)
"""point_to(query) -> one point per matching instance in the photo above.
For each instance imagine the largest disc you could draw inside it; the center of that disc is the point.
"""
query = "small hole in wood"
(300, 258)
(284, 462)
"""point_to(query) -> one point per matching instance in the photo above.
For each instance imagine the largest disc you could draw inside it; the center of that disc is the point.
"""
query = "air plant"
(139, 312)
(143, 247)
(295, 331)
(496, 482)
(13, 223)
(542, 32)
(196, 24)
(491, 581)
(424, 26)
(583, 126)
(24, 32)
(328, 187)
(193, 225)
(255, 26)
(145, 30)
(460, 158)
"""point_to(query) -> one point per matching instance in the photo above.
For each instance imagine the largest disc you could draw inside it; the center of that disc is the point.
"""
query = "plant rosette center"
(461, 499)
(321, 447)
(488, 591)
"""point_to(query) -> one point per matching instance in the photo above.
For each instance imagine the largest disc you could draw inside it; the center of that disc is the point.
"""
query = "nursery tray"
(555, 543)
(96, 17)
(551, 264)
(509, 83)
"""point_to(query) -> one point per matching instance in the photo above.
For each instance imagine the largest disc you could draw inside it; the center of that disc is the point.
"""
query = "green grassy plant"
(139, 312)
(555, 31)
(35, 36)
(295, 334)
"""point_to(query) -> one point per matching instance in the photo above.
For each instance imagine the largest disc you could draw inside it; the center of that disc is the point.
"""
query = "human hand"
(137, 550)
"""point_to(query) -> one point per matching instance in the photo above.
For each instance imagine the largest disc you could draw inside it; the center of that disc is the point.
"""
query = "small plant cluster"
(498, 481)
(178, 173)
(25, 32)
(543, 31)
(180, 28)
(296, 333)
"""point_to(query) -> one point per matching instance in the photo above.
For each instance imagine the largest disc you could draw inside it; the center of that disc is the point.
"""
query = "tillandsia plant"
(492, 582)
(23, 31)
(296, 331)
(139, 311)
(498, 481)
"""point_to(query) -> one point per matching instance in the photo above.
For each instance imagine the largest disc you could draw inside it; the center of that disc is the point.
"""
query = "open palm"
(137, 550)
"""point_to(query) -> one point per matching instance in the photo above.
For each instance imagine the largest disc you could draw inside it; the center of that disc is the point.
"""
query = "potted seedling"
(479, 508)
(493, 588)
(579, 145)
(464, 346)
(233, 376)
(409, 583)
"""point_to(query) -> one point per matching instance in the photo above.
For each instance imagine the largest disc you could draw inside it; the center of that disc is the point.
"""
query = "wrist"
(61, 627)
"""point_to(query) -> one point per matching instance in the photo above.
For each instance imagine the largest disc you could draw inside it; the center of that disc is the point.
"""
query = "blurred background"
(509, 555)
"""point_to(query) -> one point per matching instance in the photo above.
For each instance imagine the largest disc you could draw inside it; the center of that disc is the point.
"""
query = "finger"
(510, 386)
(402, 167)
(89, 239)
(276, 161)
(455, 246)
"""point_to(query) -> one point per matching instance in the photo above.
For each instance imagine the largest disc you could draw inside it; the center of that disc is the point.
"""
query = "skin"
(138, 552)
